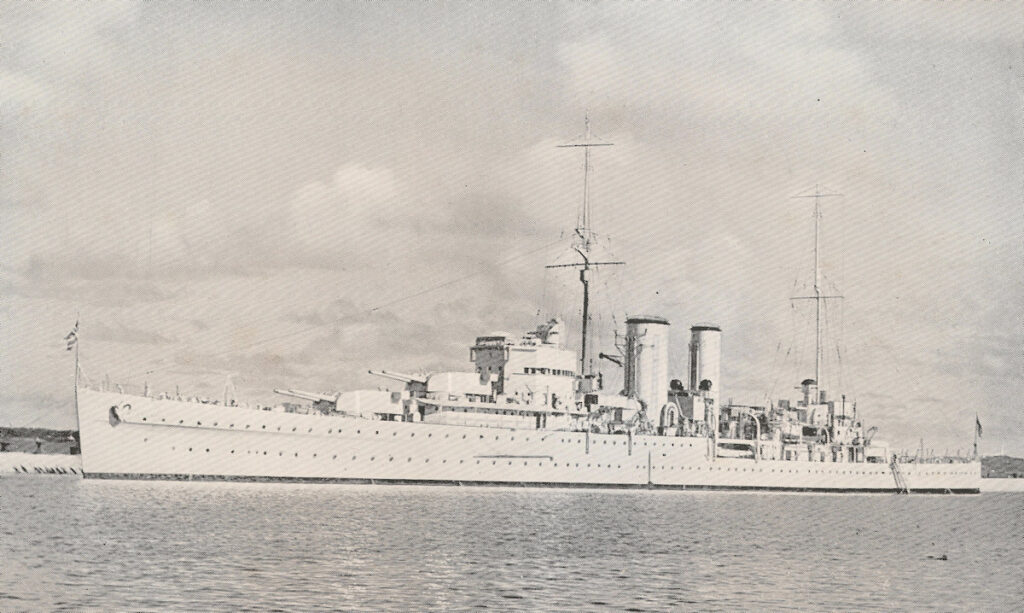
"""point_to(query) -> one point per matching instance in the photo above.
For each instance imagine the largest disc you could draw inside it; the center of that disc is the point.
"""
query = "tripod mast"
(584, 237)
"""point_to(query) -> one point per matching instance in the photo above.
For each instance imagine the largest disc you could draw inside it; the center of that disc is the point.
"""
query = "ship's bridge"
(534, 368)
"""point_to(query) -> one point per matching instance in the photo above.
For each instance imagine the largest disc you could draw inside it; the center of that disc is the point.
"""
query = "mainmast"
(583, 239)
(818, 298)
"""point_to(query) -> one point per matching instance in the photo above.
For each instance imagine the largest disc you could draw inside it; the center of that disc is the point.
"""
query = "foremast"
(584, 239)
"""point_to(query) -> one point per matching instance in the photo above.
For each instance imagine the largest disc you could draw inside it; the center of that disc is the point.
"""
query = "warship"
(530, 412)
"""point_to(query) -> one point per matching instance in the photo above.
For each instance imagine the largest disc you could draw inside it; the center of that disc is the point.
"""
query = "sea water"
(72, 544)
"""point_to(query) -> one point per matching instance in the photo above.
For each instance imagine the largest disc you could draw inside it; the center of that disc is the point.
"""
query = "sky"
(289, 194)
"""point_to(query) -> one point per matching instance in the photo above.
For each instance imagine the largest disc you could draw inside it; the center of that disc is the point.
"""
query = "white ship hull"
(147, 438)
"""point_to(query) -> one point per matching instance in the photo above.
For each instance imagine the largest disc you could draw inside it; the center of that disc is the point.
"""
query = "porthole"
(181, 421)
(215, 423)
(280, 453)
(232, 451)
(264, 426)
(190, 449)
(329, 431)
(264, 453)
(143, 419)
(371, 458)
(199, 423)
(353, 458)
(231, 425)
(391, 459)
(334, 457)
(394, 434)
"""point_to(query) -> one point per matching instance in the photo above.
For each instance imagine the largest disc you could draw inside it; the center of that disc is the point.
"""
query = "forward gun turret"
(310, 396)
(410, 380)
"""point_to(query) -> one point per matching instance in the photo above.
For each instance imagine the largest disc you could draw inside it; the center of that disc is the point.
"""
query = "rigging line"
(789, 349)
(826, 355)
(313, 328)
(801, 346)
(771, 370)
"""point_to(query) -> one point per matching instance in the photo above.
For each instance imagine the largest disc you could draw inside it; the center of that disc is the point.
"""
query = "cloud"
(723, 64)
(43, 281)
(339, 312)
(989, 23)
(355, 218)
(120, 333)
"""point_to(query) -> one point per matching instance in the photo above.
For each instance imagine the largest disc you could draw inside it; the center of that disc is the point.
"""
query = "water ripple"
(93, 545)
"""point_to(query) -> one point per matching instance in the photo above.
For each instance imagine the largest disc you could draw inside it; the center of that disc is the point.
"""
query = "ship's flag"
(977, 425)
(72, 337)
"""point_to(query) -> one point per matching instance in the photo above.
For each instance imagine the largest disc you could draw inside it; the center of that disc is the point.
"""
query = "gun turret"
(397, 376)
(311, 396)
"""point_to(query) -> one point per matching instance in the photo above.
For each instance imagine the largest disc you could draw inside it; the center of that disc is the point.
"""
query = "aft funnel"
(706, 360)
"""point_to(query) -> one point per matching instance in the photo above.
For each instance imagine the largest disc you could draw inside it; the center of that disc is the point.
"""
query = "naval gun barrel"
(311, 396)
(397, 376)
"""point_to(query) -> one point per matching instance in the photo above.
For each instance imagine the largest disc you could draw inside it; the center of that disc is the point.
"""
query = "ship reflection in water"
(128, 545)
